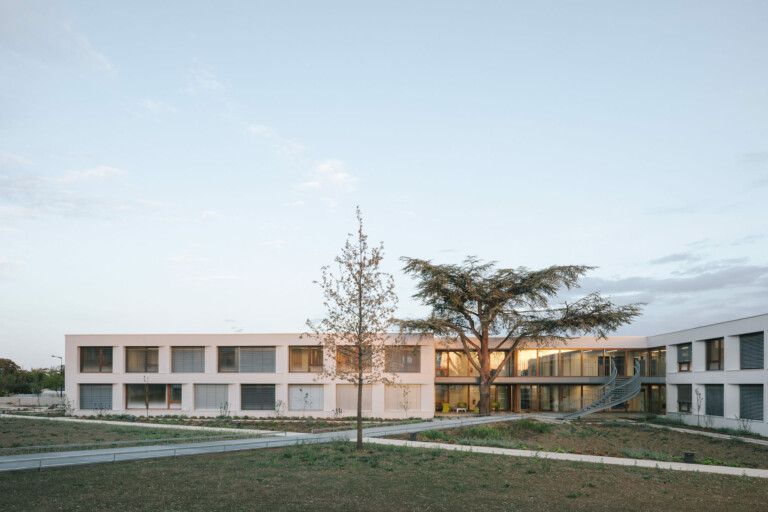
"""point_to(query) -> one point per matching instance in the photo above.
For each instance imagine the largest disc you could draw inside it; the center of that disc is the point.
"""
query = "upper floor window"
(96, 359)
(306, 359)
(141, 359)
(715, 354)
(752, 348)
(349, 357)
(247, 359)
(402, 359)
(188, 359)
(684, 357)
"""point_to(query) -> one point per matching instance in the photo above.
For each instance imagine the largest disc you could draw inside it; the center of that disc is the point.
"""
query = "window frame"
(101, 360)
(715, 345)
(310, 351)
(156, 349)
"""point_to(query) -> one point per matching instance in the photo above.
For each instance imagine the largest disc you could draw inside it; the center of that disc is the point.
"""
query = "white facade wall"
(731, 376)
(282, 378)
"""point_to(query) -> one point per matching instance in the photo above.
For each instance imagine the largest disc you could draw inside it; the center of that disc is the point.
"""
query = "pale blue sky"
(190, 166)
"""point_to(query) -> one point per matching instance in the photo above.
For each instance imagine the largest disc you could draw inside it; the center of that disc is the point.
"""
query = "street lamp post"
(61, 372)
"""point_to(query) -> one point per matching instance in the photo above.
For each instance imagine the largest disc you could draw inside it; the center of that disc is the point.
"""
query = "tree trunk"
(485, 396)
(360, 410)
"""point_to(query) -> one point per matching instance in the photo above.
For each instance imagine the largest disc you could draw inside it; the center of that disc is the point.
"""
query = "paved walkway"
(615, 461)
(42, 461)
(151, 425)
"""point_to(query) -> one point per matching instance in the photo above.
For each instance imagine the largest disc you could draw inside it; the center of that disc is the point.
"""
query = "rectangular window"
(257, 397)
(403, 398)
(526, 363)
(346, 397)
(715, 354)
(153, 396)
(95, 396)
(571, 363)
(305, 397)
(713, 398)
(211, 397)
(497, 357)
(752, 349)
(306, 359)
(658, 362)
(594, 363)
(188, 359)
(96, 359)
(684, 357)
(348, 358)
(141, 359)
(458, 364)
(549, 363)
(751, 401)
(402, 359)
(441, 363)
(247, 359)
(684, 397)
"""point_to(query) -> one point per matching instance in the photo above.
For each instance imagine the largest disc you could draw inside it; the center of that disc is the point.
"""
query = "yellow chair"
(495, 406)
(446, 407)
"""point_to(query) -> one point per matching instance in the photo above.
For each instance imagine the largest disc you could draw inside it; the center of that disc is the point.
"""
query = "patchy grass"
(378, 478)
(610, 438)
(20, 433)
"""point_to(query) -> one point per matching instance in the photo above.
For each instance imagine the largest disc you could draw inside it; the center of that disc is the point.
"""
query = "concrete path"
(615, 461)
(707, 434)
(42, 461)
(152, 425)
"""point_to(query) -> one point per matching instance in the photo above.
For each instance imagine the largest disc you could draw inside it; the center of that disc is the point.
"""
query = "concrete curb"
(614, 461)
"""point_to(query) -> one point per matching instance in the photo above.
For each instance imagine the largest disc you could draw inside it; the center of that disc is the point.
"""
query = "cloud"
(11, 160)
(187, 258)
(283, 146)
(36, 33)
(329, 174)
(210, 214)
(675, 258)
(202, 81)
(156, 106)
(212, 278)
(147, 202)
(7, 265)
(91, 174)
(718, 277)
(273, 244)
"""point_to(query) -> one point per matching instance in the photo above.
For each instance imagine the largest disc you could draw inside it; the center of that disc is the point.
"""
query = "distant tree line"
(15, 380)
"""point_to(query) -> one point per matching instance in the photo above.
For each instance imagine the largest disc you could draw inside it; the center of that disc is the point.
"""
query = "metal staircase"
(612, 393)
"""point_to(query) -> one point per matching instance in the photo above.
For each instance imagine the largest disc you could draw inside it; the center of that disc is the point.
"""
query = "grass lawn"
(379, 478)
(16, 432)
(607, 438)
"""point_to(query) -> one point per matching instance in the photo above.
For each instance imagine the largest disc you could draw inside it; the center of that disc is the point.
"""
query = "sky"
(189, 167)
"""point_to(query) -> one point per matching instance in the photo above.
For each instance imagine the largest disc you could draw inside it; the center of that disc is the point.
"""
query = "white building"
(712, 375)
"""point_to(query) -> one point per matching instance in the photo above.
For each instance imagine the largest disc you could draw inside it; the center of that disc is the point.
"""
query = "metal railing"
(609, 394)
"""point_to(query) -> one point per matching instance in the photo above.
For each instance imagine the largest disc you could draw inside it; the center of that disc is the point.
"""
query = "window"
(346, 397)
(402, 398)
(684, 357)
(247, 359)
(549, 365)
(257, 397)
(402, 359)
(441, 363)
(684, 396)
(188, 359)
(752, 351)
(211, 397)
(497, 357)
(153, 396)
(715, 354)
(141, 360)
(96, 396)
(751, 401)
(713, 399)
(571, 362)
(347, 358)
(526, 363)
(306, 359)
(96, 359)
(305, 397)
